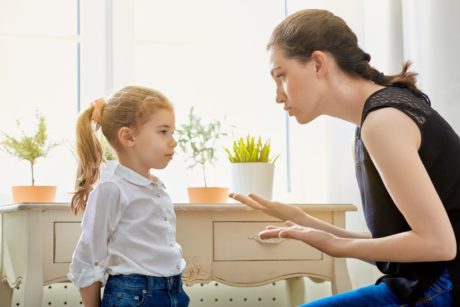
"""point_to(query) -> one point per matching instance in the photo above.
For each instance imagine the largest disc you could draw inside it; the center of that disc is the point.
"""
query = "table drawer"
(66, 235)
(238, 241)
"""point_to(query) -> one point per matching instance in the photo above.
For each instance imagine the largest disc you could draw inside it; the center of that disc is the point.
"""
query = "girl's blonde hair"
(131, 107)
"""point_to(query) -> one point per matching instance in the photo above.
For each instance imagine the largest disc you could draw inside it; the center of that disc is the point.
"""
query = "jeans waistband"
(148, 282)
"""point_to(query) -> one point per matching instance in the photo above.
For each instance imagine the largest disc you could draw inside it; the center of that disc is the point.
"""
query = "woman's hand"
(319, 239)
(276, 209)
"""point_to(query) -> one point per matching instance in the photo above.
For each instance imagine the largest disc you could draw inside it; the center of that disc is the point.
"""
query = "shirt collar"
(135, 178)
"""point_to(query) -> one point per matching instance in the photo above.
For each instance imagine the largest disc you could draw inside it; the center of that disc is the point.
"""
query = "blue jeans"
(439, 294)
(148, 291)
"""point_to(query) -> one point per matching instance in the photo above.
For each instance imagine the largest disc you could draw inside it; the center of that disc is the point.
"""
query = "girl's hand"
(319, 239)
(276, 209)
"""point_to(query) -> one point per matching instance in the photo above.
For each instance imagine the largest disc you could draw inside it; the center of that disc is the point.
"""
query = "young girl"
(407, 164)
(129, 224)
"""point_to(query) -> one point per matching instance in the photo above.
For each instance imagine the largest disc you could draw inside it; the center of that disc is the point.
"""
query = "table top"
(42, 207)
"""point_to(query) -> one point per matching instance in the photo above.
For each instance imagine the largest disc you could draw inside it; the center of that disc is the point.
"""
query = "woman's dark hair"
(304, 32)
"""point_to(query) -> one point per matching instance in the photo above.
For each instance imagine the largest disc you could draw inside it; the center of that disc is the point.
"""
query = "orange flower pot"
(211, 195)
(32, 194)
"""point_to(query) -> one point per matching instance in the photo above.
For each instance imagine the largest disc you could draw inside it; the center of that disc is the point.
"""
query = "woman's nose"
(280, 95)
(280, 98)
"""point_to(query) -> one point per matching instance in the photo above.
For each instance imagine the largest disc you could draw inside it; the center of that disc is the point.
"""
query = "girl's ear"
(126, 136)
(320, 59)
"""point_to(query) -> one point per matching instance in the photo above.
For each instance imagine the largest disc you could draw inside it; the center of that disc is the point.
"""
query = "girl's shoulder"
(108, 190)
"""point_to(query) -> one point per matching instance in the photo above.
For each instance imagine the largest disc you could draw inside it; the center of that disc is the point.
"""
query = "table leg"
(341, 281)
(295, 291)
(32, 283)
(6, 294)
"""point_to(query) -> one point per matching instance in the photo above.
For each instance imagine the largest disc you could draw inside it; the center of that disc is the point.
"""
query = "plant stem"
(204, 176)
(32, 171)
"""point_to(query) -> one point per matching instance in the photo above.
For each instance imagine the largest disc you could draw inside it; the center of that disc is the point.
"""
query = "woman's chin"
(303, 120)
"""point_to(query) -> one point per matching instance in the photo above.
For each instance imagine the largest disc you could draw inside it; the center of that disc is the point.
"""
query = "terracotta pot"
(32, 194)
(211, 195)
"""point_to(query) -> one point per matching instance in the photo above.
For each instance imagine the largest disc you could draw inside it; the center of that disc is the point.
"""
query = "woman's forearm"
(310, 221)
(403, 247)
(91, 295)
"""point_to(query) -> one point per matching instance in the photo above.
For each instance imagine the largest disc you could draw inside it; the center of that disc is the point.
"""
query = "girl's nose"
(174, 142)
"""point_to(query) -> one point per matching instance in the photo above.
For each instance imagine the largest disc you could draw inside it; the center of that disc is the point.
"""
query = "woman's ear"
(320, 59)
(126, 136)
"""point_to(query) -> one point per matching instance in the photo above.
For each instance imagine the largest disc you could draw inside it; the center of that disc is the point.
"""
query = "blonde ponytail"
(89, 151)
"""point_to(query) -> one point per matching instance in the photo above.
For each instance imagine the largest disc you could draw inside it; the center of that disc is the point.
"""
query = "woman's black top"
(440, 154)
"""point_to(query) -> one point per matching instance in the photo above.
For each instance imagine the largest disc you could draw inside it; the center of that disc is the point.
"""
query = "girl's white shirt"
(129, 227)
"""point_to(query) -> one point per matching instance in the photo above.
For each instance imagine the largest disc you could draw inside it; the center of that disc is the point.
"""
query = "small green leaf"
(249, 150)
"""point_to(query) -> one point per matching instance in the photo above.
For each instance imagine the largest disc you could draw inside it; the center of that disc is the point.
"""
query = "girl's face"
(297, 86)
(154, 143)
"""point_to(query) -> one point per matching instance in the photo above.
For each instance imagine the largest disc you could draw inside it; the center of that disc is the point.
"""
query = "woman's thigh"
(439, 294)
(373, 295)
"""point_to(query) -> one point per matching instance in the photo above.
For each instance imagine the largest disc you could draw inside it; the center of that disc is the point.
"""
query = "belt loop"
(170, 283)
(150, 284)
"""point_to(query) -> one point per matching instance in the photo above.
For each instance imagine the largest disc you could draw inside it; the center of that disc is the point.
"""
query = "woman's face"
(297, 86)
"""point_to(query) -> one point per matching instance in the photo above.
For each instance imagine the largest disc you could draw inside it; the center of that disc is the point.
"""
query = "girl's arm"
(392, 140)
(91, 295)
(101, 217)
(295, 214)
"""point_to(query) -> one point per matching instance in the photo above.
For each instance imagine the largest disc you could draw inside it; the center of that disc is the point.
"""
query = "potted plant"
(198, 142)
(30, 148)
(252, 168)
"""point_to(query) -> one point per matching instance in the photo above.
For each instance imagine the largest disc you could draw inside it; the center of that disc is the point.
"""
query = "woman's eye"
(164, 132)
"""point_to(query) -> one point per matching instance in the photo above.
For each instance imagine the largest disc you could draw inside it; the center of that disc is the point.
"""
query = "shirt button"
(172, 244)
(158, 195)
(165, 218)
(178, 267)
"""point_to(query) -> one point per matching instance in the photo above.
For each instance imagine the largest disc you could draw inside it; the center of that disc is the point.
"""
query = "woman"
(407, 165)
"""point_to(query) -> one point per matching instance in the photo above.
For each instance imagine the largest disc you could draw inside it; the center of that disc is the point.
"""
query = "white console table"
(220, 243)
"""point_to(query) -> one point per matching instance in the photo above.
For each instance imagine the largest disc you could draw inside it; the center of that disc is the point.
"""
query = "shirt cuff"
(87, 277)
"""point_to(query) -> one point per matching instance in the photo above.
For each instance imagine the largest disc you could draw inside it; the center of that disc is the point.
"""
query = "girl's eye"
(164, 132)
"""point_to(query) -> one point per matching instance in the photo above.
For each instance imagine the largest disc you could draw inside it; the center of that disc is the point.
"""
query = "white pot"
(256, 177)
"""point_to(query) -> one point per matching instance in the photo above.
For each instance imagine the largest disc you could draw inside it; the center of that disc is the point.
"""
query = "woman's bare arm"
(286, 212)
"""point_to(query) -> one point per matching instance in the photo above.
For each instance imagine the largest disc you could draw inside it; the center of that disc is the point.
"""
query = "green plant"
(248, 150)
(29, 147)
(198, 141)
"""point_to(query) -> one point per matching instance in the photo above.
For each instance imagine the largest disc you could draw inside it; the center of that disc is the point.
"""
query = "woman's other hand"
(319, 239)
